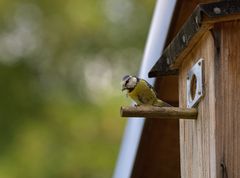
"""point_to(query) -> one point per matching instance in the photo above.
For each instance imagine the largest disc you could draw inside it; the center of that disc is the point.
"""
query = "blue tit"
(141, 91)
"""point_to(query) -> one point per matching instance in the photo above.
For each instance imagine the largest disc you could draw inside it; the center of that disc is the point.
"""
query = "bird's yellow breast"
(143, 93)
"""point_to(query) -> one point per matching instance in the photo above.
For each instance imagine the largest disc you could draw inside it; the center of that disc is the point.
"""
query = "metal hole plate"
(197, 87)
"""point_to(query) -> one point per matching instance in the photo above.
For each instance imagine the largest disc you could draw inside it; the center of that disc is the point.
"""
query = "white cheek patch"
(132, 82)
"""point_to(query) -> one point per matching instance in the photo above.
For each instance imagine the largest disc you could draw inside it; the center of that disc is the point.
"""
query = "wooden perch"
(159, 112)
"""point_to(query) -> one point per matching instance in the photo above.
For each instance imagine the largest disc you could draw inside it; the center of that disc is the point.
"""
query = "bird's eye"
(125, 77)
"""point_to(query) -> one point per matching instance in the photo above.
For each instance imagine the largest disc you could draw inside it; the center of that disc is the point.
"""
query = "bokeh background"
(61, 62)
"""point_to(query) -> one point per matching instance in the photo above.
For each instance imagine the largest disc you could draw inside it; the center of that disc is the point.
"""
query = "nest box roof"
(201, 20)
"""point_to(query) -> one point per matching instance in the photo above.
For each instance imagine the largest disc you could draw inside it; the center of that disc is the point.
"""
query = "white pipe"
(156, 39)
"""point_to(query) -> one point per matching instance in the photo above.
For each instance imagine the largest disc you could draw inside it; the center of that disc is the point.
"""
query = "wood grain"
(197, 137)
(210, 145)
(227, 71)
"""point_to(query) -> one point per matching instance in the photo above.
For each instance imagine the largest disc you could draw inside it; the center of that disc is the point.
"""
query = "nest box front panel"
(197, 136)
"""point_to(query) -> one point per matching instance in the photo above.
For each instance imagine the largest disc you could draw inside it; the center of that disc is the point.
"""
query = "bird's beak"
(124, 88)
(123, 85)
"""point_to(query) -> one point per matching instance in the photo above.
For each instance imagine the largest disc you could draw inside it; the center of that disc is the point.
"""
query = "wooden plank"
(197, 141)
(227, 71)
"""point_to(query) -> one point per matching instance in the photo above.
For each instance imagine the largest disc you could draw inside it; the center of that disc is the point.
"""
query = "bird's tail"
(161, 103)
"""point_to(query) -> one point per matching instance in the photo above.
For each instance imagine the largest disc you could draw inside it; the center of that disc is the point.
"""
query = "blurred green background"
(61, 63)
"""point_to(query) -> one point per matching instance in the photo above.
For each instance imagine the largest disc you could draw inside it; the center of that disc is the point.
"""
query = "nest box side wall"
(227, 84)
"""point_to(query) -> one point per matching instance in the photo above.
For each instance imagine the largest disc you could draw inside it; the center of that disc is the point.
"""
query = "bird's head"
(129, 82)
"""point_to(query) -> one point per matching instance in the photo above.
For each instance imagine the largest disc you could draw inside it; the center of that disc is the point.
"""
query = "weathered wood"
(210, 145)
(227, 87)
(197, 137)
(159, 112)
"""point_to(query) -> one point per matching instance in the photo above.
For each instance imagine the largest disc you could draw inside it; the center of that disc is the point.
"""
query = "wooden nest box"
(202, 60)
(205, 54)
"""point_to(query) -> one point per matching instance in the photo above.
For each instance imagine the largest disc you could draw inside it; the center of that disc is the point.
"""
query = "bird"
(141, 92)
